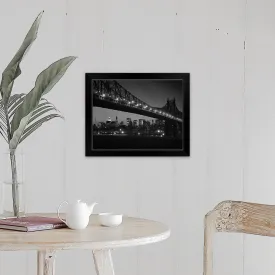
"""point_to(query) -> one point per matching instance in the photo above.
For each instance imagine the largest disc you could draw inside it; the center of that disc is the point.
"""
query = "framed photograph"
(137, 114)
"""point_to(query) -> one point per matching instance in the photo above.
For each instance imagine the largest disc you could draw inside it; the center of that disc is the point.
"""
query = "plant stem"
(8, 123)
(15, 191)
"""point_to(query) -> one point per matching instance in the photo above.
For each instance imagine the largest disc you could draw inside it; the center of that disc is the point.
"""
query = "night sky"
(152, 92)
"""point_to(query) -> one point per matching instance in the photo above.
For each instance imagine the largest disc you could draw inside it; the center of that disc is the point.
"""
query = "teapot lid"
(79, 202)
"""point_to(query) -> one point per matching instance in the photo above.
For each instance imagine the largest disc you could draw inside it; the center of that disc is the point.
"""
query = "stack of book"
(31, 223)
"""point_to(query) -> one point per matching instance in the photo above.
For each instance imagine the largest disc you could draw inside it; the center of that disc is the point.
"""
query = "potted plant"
(22, 114)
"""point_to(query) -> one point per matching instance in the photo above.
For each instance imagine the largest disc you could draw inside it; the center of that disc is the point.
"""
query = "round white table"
(101, 240)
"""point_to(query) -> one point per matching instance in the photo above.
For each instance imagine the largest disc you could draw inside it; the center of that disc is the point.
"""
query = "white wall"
(232, 123)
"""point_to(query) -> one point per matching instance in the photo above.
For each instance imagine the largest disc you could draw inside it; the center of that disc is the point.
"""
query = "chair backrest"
(236, 216)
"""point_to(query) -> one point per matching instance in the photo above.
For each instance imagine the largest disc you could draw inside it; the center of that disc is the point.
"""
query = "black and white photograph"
(130, 114)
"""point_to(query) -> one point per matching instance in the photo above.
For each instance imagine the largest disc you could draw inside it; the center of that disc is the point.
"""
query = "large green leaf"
(39, 114)
(13, 69)
(13, 103)
(34, 123)
(3, 132)
(2, 114)
(34, 126)
(43, 84)
(14, 98)
(39, 117)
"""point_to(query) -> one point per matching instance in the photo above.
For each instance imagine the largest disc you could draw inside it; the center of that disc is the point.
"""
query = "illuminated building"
(128, 121)
(141, 121)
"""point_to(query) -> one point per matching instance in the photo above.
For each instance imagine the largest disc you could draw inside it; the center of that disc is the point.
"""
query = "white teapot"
(77, 214)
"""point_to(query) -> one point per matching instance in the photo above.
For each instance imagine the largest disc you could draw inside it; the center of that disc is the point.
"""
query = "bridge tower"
(172, 128)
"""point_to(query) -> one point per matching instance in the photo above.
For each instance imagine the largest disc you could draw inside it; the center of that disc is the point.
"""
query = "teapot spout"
(91, 208)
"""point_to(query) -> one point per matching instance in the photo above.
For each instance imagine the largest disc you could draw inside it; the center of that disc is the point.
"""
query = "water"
(135, 142)
(6, 206)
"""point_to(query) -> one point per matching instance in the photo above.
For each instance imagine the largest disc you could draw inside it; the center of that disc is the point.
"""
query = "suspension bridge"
(111, 95)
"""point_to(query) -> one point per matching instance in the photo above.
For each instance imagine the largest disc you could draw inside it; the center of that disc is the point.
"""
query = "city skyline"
(110, 119)
(122, 116)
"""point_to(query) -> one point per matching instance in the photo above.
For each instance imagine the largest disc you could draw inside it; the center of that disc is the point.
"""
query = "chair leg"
(208, 243)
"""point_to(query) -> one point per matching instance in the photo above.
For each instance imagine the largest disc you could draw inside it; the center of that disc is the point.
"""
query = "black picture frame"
(89, 102)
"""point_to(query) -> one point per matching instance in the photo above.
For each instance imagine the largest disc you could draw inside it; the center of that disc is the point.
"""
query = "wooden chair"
(239, 217)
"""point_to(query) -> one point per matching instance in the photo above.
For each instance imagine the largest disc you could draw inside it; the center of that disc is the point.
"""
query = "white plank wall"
(259, 129)
(232, 123)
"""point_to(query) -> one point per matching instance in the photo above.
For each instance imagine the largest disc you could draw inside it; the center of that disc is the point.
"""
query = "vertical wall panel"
(190, 174)
(157, 203)
(225, 121)
(259, 127)
(110, 182)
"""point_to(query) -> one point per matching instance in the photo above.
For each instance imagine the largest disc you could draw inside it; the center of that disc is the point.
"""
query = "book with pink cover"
(31, 223)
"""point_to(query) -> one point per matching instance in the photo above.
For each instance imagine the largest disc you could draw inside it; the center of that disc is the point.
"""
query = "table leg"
(103, 262)
(45, 262)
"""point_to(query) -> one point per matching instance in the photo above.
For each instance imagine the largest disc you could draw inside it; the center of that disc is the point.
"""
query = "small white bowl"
(110, 219)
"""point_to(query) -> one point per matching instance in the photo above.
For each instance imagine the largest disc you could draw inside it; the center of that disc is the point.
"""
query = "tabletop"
(132, 232)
